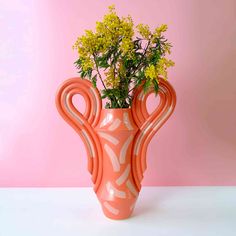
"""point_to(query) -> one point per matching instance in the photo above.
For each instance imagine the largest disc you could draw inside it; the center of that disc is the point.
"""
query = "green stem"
(100, 77)
(145, 51)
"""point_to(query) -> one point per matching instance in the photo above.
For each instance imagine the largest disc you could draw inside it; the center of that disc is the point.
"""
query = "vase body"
(116, 140)
(117, 192)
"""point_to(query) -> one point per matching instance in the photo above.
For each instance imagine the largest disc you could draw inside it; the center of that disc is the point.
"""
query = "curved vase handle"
(83, 123)
(149, 123)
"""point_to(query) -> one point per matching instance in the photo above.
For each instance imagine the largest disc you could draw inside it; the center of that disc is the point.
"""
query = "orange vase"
(116, 140)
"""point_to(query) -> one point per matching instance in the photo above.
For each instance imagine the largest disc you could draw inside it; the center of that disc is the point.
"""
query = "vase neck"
(117, 119)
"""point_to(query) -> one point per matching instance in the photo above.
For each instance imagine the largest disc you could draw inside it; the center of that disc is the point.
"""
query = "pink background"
(197, 146)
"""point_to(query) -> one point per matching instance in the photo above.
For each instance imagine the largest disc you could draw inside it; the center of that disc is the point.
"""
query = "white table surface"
(172, 211)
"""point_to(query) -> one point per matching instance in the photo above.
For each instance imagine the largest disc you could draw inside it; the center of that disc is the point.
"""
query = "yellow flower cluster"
(152, 72)
(87, 63)
(167, 48)
(112, 7)
(111, 80)
(121, 69)
(107, 34)
(111, 46)
(159, 30)
(162, 66)
(86, 46)
(112, 28)
(127, 46)
(144, 30)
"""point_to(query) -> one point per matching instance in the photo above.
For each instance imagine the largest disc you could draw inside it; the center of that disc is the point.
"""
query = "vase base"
(118, 210)
(120, 216)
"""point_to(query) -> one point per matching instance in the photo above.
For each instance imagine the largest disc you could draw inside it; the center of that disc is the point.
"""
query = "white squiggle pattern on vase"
(114, 160)
(114, 125)
(116, 188)
(106, 120)
(127, 121)
(109, 137)
(124, 149)
(110, 208)
(114, 191)
(123, 176)
(131, 188)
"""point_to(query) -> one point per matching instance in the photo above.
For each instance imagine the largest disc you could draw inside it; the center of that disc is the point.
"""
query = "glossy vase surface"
(117, 192)
(116, 140)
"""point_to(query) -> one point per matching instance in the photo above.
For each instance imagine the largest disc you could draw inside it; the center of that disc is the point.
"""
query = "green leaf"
(83, 74)
(78, 62)
(146, 85)
(102, 61)
(94, 81)
(155, 86)
(89, 73)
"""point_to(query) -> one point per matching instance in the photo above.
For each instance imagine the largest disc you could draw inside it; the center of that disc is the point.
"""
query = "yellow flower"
(150, 72)
(126, 27)
(167, 48)
(87, 44)
(144, 30)
(121, 69)
(108, 33)
(160, 30)
(87, 63)
(161, 67)
(111, 8)
(127, 46)
(112, 28)
(111, 80)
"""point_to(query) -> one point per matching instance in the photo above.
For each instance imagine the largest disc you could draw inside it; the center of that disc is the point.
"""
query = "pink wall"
(197, 146)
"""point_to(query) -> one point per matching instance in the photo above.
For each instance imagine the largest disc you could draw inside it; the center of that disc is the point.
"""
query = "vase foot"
(120, 216)
(113, 213)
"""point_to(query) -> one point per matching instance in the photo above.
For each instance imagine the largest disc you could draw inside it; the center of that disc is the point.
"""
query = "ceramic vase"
(116, 140)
